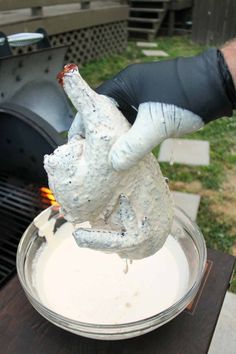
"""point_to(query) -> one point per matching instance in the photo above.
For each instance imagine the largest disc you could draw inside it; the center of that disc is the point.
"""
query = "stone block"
(154, 53)
(146, 45)
(183, 151)
(224, 338)
(188, 202)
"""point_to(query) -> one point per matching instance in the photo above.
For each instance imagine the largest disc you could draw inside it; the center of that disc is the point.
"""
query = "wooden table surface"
(24, 331)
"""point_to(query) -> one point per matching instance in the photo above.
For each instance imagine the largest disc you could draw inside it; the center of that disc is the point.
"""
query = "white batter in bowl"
(100, 295)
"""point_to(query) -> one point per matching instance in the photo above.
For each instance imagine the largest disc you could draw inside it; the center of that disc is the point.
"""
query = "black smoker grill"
(33, 113)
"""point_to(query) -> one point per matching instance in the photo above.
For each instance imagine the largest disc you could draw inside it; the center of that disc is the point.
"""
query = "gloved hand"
(168, 99)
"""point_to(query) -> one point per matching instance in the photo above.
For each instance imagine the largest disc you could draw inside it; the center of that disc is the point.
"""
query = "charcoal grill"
(34, 113)
(19, 203)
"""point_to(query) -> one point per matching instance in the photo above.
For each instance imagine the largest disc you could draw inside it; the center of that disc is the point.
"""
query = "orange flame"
(47, 196)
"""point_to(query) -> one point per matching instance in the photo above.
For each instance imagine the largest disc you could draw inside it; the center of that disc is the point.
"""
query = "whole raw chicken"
(130, 211)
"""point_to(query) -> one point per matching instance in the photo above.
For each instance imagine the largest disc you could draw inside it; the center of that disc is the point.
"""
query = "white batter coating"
(130, 211)
(91, 286)
(155, 122)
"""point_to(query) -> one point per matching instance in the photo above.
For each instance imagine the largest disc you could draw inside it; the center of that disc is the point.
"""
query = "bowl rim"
(180, 304)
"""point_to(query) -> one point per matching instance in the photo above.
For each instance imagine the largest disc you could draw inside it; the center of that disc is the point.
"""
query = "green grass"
(221, 134)
(97, 71)
(215, 230)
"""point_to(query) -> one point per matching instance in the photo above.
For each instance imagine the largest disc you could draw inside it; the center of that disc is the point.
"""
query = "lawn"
(215, 183)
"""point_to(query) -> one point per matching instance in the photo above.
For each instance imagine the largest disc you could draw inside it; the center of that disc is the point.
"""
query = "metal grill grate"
(19, 204)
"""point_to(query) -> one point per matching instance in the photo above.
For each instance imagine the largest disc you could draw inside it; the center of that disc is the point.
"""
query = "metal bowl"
(185, 232)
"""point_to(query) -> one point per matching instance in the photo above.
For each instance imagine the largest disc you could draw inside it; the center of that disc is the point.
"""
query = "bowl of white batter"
(103, 296)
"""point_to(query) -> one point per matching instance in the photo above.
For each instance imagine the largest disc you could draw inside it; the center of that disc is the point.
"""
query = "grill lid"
(25, 139)
(29, 80)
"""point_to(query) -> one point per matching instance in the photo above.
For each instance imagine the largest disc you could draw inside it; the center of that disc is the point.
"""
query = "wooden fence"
(58, 16)
(214, 21)
(90, 33)
(36, 6)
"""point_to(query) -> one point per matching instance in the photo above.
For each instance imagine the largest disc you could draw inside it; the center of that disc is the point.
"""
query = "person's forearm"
(229, 52)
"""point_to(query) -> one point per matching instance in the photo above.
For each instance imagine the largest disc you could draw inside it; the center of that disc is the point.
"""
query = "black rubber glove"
(168, 99)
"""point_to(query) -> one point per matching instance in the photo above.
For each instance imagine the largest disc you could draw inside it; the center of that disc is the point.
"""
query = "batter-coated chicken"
(130, 211)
